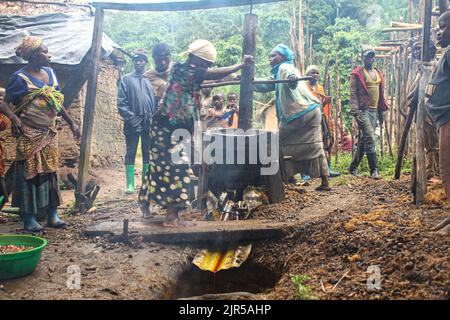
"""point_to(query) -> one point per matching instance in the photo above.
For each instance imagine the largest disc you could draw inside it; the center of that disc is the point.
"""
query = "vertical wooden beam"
(421, 188)
(89, 109)
(336, 108)
(325, 74)
(427, 31)
(248, 73)
(398, 95)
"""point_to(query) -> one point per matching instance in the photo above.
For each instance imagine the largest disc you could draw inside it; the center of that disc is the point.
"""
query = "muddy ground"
(333, 238)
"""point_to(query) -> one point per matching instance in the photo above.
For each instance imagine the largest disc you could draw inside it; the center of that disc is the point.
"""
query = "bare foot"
(171, 223)
(177, 223)
(184, 223)
(323, 188)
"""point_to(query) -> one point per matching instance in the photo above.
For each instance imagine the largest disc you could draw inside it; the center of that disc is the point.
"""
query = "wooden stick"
(177, 5)
(238, 82)
(343, 276)
(336, 138)
(401, 147)
(325, 74)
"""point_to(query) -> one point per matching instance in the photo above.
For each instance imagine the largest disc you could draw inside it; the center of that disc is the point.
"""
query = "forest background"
(333, 30)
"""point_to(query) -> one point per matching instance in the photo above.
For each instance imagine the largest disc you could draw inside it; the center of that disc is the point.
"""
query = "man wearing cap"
(136, 104)
(367, 103)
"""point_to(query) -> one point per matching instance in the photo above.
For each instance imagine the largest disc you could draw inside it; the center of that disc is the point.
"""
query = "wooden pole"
(325, 74)
(401, 147)
(398, 95)
(248, 73)
(391, 111)
(420, 132)
(337, 104)
(89, 110)
(301, 39)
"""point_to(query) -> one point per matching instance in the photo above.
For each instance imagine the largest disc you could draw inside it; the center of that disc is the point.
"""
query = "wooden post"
(325, 74)
(89, 109)
(401, 146)
(301, 39)
(420, 132)
(248, 73)
(398, 95)
(336, 108)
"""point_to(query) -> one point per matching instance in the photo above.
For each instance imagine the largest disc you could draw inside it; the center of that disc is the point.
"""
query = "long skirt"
(35, 196)
(167, 181)
(301, 140)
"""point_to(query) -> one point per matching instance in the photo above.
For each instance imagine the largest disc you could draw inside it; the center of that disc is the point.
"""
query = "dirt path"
(361, 223)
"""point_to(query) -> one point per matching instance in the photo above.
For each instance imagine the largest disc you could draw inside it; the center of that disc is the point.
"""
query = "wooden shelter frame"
(83, 200)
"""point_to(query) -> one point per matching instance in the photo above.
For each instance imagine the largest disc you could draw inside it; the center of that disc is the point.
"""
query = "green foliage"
(386, 165)
(339, 28)
(302, 290)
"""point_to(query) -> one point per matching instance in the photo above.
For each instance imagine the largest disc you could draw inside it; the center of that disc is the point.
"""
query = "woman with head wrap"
(299, 119)
(167, 182)
(33, 101)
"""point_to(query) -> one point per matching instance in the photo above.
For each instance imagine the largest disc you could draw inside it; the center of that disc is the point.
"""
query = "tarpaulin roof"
(172, 5)
(68, 36)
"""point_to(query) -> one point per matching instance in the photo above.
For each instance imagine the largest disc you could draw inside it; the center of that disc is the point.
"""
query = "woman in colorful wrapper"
(299, 119)
(4, 122)
(33, 101)
(167, 182)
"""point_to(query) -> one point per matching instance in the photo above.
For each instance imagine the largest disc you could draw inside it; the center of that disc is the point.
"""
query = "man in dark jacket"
(367, 103)
(136, 104)
(437, 103)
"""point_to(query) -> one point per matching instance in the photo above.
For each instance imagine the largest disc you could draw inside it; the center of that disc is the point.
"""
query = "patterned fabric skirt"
(37, 195)
(38, 148)
(301, 139)
(167, 183)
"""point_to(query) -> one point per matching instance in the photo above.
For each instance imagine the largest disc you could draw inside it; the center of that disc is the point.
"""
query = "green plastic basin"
(19, 264)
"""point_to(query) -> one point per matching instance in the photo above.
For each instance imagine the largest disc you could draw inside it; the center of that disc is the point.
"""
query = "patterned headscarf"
(29, 45)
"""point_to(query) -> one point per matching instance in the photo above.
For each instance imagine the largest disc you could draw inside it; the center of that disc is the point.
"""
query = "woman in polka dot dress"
(167, 182)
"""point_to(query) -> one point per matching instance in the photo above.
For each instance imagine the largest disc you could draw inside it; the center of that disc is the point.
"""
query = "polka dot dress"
(166, 182)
